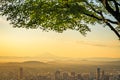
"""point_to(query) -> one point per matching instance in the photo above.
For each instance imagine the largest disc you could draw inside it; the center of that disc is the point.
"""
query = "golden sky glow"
(101, 42)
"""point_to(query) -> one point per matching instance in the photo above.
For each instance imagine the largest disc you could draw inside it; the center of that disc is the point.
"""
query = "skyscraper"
(21, 73)
(98, 73)
(65, 76)
(103, 75)
(79, 77)
(57, 75)
(72, 76)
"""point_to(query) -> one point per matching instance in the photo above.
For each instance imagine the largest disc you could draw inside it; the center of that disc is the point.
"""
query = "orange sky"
(101, 42)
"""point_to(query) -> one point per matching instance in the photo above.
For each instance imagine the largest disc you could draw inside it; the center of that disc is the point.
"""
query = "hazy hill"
(32, 62)
(78, 66)
(47, 57)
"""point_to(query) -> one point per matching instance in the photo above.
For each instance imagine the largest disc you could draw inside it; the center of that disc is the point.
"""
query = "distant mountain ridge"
(47, 57)
(33, 62)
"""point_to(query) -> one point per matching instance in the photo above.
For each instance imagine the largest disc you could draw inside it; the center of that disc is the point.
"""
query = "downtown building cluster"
(60, 75)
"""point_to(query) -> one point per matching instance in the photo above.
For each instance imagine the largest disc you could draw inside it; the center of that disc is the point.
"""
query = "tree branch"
(93, 16)
(106, 21)
(113, 22)
(110, 26)
(110, 10)
(99, 12)
(91, 7)
(113, 29)
(116, 6)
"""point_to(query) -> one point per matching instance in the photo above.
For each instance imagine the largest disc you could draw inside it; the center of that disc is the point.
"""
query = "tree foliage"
(60, 15)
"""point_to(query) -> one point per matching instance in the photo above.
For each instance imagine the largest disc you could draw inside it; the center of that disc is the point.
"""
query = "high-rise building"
(103, 75)
(106, 77)
(65, 76)
(91, 76)
(119, 77)
(21, 73)
(79, 77)
(72, 76)
(57, 75)
(98, 73)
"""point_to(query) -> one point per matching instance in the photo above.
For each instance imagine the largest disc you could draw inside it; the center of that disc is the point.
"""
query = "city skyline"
(28, 72)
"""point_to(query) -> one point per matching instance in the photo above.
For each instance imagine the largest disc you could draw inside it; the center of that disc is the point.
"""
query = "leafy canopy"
(56, 15)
